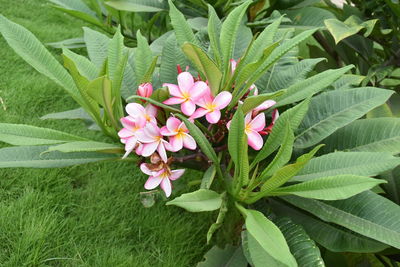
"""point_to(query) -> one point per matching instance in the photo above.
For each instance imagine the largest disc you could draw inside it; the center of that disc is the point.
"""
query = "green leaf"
(367, 213)
(228, 33)
(81, 15)
(236, 136)
(287, 172)
(331, 236)
(214, 31)
(201, 140)
(373, 135)
(309, 16)
(73, 114)
(137, 6)
(68, 43)
(392, 188)
(84, 66)
(23, 135)
(269, 237)
(335, 109)
(34, 157)
(87, 146)
(27, 46)
(205, 65)
(170, 58)
(115, 53)
(254, 101)
(300, 244)
(97, 46)
(229, 256)
(295, 115)
(154, 102)
(355, 163)
(284, 154)
(198, 201)
(311, 86)
(221, 216)
(77, 5)
(183, 32)
(208, 177)
(329, 188)
(143, 56)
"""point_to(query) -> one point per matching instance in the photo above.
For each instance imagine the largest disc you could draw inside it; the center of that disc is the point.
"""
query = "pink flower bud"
(145, 90)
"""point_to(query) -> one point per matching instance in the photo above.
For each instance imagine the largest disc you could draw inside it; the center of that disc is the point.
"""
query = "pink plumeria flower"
(162, 178)
(145, 90)
(178, 135)
(268, 130)
(152, 140)
(264, 106)
(211, 107)
(252, 128)
(186, 93)
(138, 111)
(233, 65)
(128, 133)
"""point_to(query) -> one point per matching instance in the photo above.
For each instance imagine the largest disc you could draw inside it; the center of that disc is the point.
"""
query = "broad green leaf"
(183, 32)
(147, 77)
(229, 256)
(348, 81)
(136, 6)
(228, 33)
(355, 163)
(335, 109)
(34, 157)
(309, 16)
(287, 172)
(201, 140)
(27, 46)
(392, 188)
(367, 213)
(311, 86)
(97, 46)
(300, 244)
(208, 177)
(236, 136)
(198, 201)
(220, 219)
(77, 5)
(244, 37)
(269, 237)
(25, 135)
(198, 23)
(331, 236)
(380, 112)
(129, 81)
(373, 135)
(284, 153)
(84, 66)
(214, 30)
(205, 65)
(154, 102)
(329, 188)
(284, 76)
(68, 43)
(115, 53)
(295, 115)
(254, 101)
(81, 15)
(87, 146)
(73, 114)
(143, 56)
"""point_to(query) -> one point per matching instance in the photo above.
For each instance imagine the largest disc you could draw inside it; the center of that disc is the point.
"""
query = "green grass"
(87, 215)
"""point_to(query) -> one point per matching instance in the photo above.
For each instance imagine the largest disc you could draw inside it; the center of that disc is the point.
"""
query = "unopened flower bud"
(145, 90)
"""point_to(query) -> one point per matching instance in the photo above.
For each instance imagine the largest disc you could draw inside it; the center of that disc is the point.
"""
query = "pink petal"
(275, 115)
(165, 132)
(152, 130)
(233, 65)
(213, 117)
(175, 174)
(151, 110)
(222, 99)
(189, 142)
(188, 107)
(135, 109)
(152, 182)
(149, 149)
(124, 133)
(247, 119)
(254, 140)
(139, 149)
(183, 127)
(143, 137)
(162, 152)
(266, 105)
(199, 89)
(173, 89)
(128, 122)
(145, 169)
(205, 101)
(174, 101)
(173, 124)
(176, 143)
(166, 186)
(185, 82)
(228, 125)
(200, 112)
(258, 123)
(130, 143)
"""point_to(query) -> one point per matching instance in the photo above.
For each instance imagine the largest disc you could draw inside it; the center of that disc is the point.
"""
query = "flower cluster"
(144, 133)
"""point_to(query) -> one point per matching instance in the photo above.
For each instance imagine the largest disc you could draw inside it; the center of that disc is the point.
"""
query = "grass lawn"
(88, 215)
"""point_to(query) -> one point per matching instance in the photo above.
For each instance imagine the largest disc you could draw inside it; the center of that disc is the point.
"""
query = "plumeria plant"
(288, 161)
